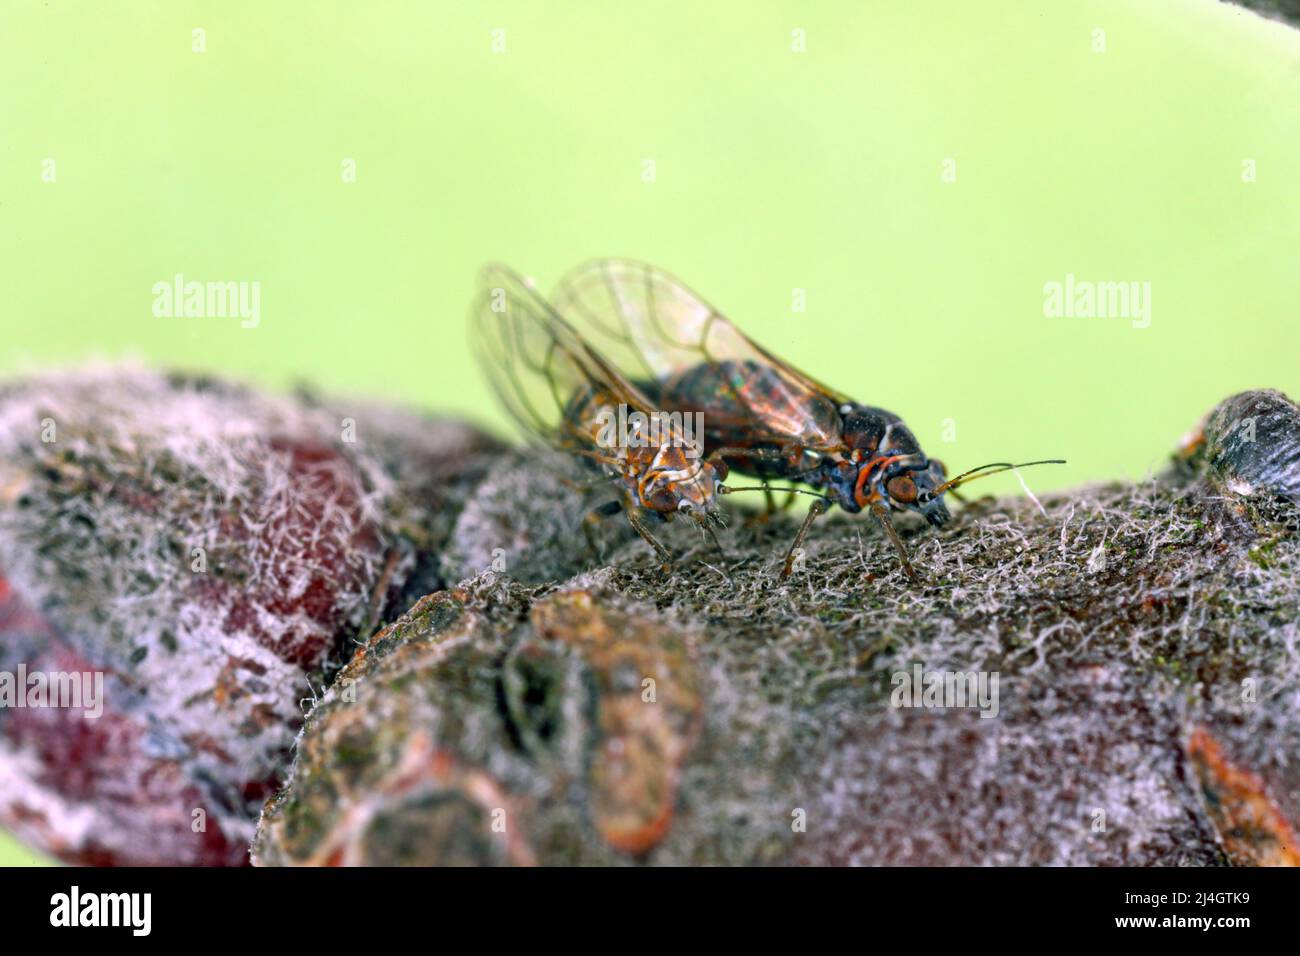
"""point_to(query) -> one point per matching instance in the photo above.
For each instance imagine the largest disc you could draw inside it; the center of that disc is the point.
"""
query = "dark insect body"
(848, 463)
(564, 394)
(761, 416)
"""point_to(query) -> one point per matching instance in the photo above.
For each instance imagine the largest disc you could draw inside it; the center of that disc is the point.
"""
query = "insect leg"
(594, 517)
(719, 455)
(818, 507)
(664, 554)
(882, 515)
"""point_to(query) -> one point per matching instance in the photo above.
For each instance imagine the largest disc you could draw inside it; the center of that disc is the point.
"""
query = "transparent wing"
(544, 373)
(658, 331)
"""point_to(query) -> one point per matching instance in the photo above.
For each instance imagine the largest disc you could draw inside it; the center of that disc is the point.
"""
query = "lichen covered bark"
(210, 553)
(550, 703)
(1143, 637)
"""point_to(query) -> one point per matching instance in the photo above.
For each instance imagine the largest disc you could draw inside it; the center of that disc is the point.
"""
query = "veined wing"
(655, 328)
(548, 378)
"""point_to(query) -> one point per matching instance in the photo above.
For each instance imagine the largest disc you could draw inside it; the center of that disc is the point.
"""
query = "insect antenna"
(966, 477)
(728, 490)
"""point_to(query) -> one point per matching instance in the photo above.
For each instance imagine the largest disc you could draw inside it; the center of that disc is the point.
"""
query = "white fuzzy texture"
(98, 529)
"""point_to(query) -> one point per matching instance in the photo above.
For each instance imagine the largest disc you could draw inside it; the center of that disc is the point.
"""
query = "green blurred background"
(774, 170)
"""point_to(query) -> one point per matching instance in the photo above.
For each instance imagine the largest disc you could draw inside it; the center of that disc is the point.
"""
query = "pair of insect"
(651, 358)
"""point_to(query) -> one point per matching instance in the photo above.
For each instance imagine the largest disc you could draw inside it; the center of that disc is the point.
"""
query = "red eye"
(901, 489)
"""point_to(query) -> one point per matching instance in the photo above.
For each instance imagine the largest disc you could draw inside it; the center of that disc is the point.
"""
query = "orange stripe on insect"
(865, 474)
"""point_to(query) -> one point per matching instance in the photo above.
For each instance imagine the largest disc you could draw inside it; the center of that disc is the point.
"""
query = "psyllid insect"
(565, 394)
(762, 416)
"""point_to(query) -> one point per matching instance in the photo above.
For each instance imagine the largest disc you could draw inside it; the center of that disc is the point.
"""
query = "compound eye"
(902, 489)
